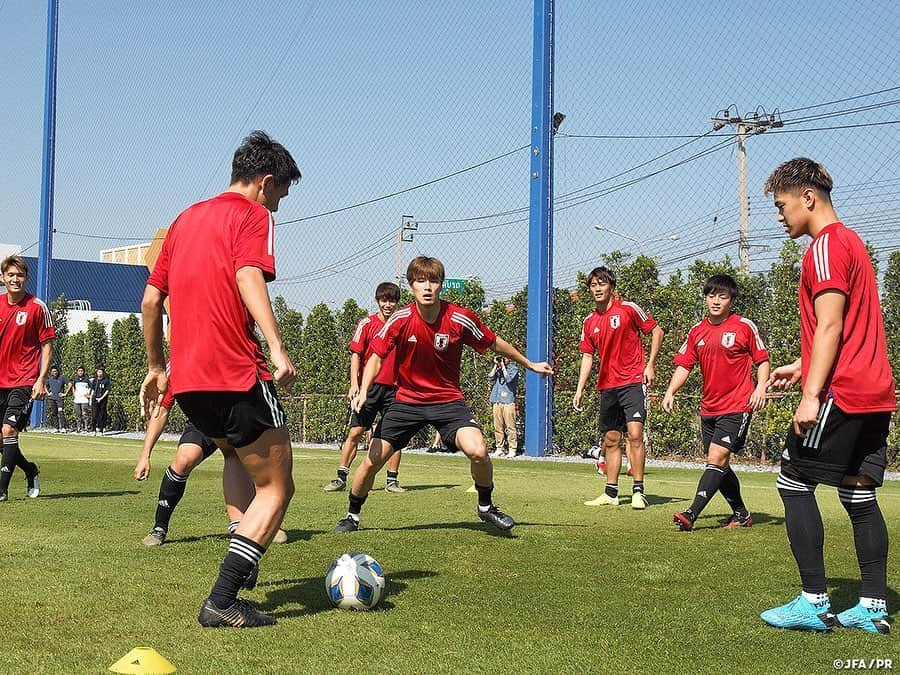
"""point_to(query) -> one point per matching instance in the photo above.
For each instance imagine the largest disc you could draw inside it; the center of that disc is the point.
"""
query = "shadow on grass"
(293, 535)
(76, 495)
(442, 486)
(845, 593)
(759, 518)
(310, 593)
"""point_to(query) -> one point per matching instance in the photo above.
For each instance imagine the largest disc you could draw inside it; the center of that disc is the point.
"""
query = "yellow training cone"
(142, 661)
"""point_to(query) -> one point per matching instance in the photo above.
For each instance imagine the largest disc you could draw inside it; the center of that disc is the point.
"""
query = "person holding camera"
(505, 378)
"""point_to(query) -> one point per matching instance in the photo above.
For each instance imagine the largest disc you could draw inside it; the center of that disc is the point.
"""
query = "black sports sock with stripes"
(484, 496)
(871, 538)
(709, 484)
(356, 504)
(730, 489)
(805, 532)
(8, 461)
(171, 490)
(243, 554)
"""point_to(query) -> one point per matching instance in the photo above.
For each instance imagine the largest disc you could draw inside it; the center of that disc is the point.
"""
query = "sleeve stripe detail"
(820, 258)
(48, 319)
(403, 313)
(466, 322)
(756, 336)
(359, 328)
(271, 237)
(641, 313)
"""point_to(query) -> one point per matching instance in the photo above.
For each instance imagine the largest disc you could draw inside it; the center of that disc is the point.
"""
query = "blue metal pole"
(539, 392)
(45, 240)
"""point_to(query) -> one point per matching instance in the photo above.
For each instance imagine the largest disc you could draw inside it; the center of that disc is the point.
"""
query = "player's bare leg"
(348, 454)
(637, 452)
(171, 490)
(612, 450)
(379, 453)
(471, 441)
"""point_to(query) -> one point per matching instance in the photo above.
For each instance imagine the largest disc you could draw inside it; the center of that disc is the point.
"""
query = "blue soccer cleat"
(871, 619)
(801, 614)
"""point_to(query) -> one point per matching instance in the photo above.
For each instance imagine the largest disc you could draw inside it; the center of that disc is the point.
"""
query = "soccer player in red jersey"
(726, 346)
(428, 337)
(839, 431)
(381, 393)
(213, 268)
(26, 347)
(613, 330)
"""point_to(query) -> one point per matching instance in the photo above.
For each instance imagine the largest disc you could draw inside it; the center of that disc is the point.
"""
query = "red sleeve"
(585, 345)
(831, 261)
(360, 337)
(254, 242)
(475, 333)
(159, 277)
(642, 320)
(384, 340)
(686, 356)
(45, 323)
(168, 399)
(754, 339)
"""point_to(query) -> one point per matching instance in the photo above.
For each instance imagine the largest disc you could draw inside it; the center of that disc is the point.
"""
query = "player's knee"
(717, 456)
(184, 465)
(858, 501)
(9, 431)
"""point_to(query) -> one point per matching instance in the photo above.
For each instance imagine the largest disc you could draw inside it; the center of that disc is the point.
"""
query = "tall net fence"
(411, 124)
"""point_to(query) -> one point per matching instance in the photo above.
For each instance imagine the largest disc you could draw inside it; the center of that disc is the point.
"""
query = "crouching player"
(427, 338)
(726, 346)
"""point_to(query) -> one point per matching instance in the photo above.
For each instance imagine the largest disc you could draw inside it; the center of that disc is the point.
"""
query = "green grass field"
(574, 589)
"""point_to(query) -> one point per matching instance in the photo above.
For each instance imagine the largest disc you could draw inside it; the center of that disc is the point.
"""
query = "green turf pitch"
(574, 589)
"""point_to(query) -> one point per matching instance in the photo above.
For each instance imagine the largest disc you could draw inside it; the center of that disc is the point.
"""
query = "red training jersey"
(361, 344)
(726, 353)
(860, 379)
(428, 354)
(24, 325)
(213, 341)
(616, 337)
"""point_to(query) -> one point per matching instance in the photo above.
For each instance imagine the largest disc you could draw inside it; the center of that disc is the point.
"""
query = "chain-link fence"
(410, 123)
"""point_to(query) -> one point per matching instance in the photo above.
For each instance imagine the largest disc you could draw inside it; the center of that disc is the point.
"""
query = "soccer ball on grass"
(354, 581)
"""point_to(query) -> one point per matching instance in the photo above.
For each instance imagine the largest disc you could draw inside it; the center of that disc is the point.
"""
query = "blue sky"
(376, 97)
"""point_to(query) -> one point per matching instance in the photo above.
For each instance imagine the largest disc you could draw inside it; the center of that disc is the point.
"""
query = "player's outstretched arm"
(255, 295)
(503, 348)
(758, 397)
(155, 384)
(155, 425)
(584, 372)
(373, 367)
(679, 377)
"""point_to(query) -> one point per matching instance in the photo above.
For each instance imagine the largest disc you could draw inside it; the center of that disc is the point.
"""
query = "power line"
(840, 100)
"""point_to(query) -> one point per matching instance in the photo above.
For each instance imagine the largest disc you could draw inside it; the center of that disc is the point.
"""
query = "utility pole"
(405, 233)
(756, 122)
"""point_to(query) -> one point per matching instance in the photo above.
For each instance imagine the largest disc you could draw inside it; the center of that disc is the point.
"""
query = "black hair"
(387, 290)
(721, 283)
(603, 275)
(258, 156)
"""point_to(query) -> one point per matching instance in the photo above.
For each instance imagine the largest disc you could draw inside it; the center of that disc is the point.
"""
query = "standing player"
(213, 268)
(726, 346)
(613, 330)
(193, 449)
(26, 347)
(380, 395)
(839, 432)
(428, 337)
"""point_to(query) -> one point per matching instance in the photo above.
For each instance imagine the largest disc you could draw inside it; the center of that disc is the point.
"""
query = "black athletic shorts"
(379, 398)
(15, 406)
(621, 405)
(729, 430)
(402, 420)
(841, 444)
(194, 436)
(240, 417)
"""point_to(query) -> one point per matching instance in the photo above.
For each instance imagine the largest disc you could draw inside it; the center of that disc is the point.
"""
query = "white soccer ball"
(354, 581)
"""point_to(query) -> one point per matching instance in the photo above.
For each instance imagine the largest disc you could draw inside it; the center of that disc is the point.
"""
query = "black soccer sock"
(709, 484)
(356, 504)
(638, 486)
(871, 538)
(393, 476)
(484, 496)
(805, 532)
(29, 468)
(730, 489)
(171, 490)
(343, 472)
(8, 461)
(233, 526)
(243, 554)
(612, 490)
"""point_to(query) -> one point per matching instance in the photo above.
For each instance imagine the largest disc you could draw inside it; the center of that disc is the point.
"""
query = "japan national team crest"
(728, 340)
(614, 321)
(21, 318)
(441, 340)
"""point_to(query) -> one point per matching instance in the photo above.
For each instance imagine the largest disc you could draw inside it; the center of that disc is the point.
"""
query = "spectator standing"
(58, 388)
(100, 387)
(505, 378)
(81, 385)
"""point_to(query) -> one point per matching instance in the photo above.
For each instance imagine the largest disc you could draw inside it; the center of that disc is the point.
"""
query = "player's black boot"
(497, 518)
(347, 524)
(241, 614)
